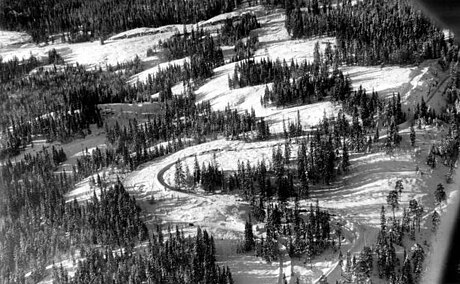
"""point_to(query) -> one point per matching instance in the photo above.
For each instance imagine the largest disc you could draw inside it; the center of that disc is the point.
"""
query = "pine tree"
(188, 178)
(399, 113)
(278, 166)
(431, 159)
(339, 232)
(179, 176)
(392, 200)
(376, 136)
(316, 55)
(418, 257)
(349, 265)
(399, 186)
(435, 220)
(423, 109)
(345, 158)
(287, 152)
(363, 267)
(406, 273)
(249, 242)
(440, 195)
(196, 171)
(297, 27)
(412, 136)
(383, 220)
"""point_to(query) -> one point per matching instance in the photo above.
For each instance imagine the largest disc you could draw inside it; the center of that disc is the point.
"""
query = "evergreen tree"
(431, 159)
(440, 195)
(418, 257)
(435, 220)
(363, 267)
(179, 176)
(399, 186)
(345, 158)
(196, 171)
(393, 201)
(406, 273)
(412, 136)
(249, 242)
(287, 152)
(376, 136)
(383, 220)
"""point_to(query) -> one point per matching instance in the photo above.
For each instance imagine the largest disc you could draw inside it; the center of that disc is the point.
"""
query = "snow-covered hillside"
(354, 198)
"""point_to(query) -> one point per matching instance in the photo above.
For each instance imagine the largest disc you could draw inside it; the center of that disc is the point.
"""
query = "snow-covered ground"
(13, 38)
(93, 53)
(118, 48)
(362, 192)
(89, 152)
(85, 189)
(383, 80)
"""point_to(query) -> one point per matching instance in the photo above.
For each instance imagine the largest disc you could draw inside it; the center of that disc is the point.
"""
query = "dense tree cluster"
(60, 103)
(308, 232)
(197, 42)
(307, 89)
(162, 81)
(30, 183)
(76, 20)
(245, 49)
(294, 83)
(366, 106)
(15, 68)
(235, 29)
(212, 177)
(424, 112)
(251, 73)
(182, 118)
(113, 218)
(178, 259)
(369, 32)
(392, 232)
(38, 223)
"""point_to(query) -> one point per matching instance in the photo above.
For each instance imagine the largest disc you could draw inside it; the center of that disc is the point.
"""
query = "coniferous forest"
(108, 234)
(78, 21)
(370, 32)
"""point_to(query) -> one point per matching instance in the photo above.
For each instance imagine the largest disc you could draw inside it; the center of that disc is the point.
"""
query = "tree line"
(39, 224)
(177, 259)
(294, 83)
(369, 32)
(76, 21)
(14, 68)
